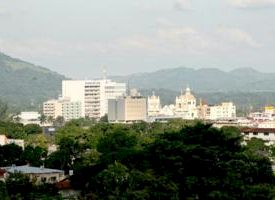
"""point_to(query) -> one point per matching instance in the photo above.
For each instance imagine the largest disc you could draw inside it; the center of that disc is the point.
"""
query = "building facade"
(153, 105)
(93, 95)
(127, 109)
(5, 141)
(186, 106)
(226, 110)
(62, 107)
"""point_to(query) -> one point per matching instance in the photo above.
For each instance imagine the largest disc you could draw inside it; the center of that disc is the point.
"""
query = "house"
(37, 174)
(4, 141)
(266, 134)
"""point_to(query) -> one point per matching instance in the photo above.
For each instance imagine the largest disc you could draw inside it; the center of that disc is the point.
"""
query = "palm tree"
(42, 119)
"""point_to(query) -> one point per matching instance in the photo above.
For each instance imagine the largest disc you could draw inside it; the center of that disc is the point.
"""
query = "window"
(266, 134)
(255, 133)
(246, 133)
(53, 179)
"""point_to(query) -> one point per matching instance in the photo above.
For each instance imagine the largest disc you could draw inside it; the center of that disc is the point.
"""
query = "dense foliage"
(176, 160)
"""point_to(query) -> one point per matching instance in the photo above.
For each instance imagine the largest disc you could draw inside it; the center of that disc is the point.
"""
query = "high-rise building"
(93, 94)
(127, 109)
(186, 107)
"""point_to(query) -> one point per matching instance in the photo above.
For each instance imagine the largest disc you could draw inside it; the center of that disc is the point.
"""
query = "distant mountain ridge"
(25, 85)
(203, 80)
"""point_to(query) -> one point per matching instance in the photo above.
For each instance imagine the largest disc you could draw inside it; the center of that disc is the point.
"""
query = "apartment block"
(93, 95)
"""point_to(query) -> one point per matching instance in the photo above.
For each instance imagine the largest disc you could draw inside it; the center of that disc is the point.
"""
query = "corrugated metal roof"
(25, 169)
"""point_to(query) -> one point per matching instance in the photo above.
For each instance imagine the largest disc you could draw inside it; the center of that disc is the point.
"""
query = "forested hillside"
(25, 85)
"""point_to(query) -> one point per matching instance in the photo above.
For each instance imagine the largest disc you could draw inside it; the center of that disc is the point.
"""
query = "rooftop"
(25, 169)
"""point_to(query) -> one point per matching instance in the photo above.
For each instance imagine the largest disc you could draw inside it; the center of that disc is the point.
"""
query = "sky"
(78, 38)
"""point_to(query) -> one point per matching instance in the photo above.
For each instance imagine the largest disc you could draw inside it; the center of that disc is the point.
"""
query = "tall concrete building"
(127, 109)
(93, 94)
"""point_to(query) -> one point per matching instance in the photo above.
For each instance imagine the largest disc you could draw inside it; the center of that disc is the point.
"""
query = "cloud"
(251, 3)
(36, 47)
(238, 36)
(183, 5)
(164, 41)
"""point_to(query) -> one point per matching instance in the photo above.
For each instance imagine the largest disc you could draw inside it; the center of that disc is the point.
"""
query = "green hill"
(248, 88)
(24, 85)
(203, 80)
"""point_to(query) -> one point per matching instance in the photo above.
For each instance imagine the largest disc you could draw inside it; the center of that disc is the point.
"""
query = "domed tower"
(186, 105)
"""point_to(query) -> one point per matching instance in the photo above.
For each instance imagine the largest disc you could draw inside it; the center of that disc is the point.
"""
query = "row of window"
(256, 133)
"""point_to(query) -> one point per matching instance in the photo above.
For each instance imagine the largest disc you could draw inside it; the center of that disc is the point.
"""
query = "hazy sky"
(78, 37)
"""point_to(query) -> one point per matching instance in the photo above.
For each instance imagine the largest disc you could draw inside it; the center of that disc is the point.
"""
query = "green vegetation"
(25, 85)
(203, 80)
(176, 160)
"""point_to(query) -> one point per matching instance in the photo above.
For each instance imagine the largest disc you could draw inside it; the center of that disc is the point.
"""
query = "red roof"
(64, 184)
(2, 172)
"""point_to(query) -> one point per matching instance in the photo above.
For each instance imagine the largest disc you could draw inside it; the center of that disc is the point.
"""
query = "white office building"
(93, 95)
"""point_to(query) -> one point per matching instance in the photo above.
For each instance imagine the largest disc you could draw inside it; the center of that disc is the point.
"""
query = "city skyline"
(138, 36)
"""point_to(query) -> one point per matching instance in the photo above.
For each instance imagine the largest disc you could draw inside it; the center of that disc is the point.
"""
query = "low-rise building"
(28, 118)
(37, 175)
(266, 134)
(63, 107)
(5, 141)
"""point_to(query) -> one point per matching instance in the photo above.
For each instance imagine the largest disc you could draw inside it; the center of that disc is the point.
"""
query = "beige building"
(5, 141)
(186, 105)
(127, 109)
(226, 110)
(154, 106)
(62, 107)
(38, 175)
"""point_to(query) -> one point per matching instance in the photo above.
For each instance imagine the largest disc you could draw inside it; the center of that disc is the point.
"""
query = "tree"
(34, 155)
(18, 186)
(59, 121)
(10, 154)
(31, 129)
(104, 118)
(117, 145)
(3, 191)
(68, 151)
(196, 161)
(258, 147)
(42, 119)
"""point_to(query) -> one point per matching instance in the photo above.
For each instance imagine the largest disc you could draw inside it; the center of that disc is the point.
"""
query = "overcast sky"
(78, 37)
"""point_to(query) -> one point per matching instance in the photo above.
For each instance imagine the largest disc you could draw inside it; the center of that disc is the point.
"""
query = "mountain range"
(24, 85)
(203, 80)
